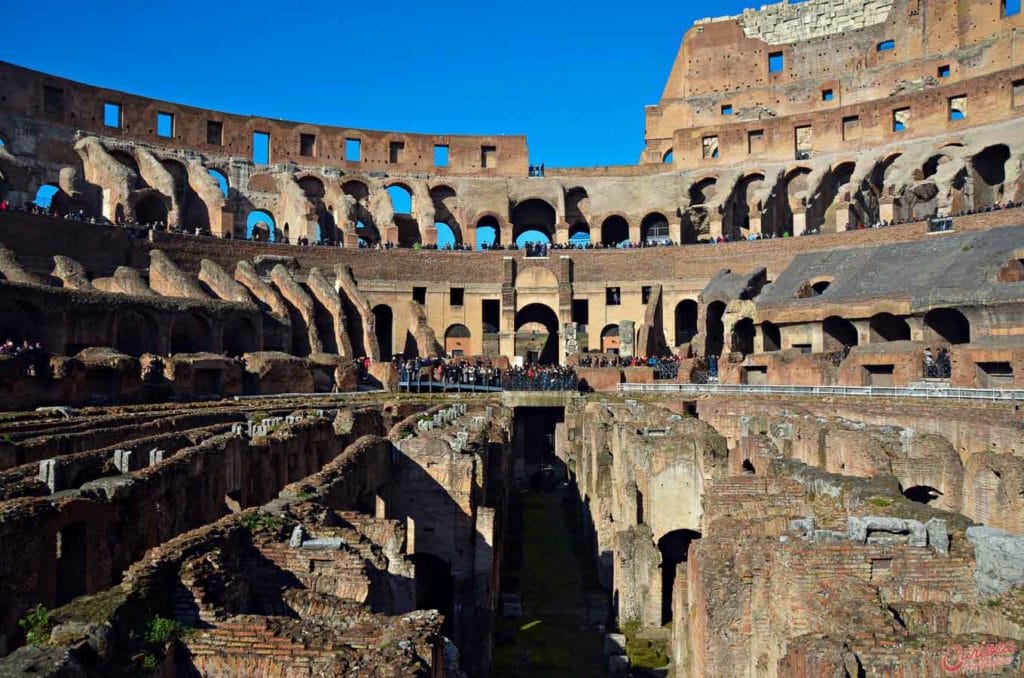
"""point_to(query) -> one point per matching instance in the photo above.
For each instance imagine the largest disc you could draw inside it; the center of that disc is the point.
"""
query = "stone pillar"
(634, 232)
(507, 337)
(886, 209)
(561, 233)
(675, 231)
(755, 222)
(799, 222)
(916, 328)
(428, 235)
(842, 216)
(627, 338)
(715, 226)
(570, 341)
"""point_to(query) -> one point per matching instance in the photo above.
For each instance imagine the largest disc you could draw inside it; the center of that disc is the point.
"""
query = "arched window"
(614, 231)
(743, 336)
(487, 233)
(383, 322)
(401, 199)
(45, 194)
(533, 217)
(654, 229)
(151, 209)
(839, 334)
(610, 341)
(949, 325)
(260, 226)
(222, 180)
(579, 235)
(446, 237)
(686, 321)
(456, 341)
(533, 237)
(888, 327)
(669, 157)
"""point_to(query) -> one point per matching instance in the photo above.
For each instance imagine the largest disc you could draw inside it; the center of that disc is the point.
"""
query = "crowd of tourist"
(532, 249)
(35, 357)
(457, 372)
(665, 367)
(937, 366)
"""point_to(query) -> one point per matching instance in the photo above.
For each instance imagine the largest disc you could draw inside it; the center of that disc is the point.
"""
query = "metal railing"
(933, 391)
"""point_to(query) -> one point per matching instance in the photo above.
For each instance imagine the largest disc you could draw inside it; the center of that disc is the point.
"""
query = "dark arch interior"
(949, 325)
(686, 321)
(748, 467)
(190, 334)
(840, 334)
(539, 313)
(239, 337)
(922, 494)
(888, 327)
(136, 334)
(384, 320)
(533, 215)
(150, 210)
(743, 336)
(714, 329)
(488, 232)
(614, 231)
(435, 587)
(675, 549)
(771, 336)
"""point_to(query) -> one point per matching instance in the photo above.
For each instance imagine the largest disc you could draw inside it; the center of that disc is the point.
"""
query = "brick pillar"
(561, 233)
(755, 222)
(715, 226)
(842, 214)
(507, 336)
(886, 209)
(428, 235)
(634, 232)
(675, 231)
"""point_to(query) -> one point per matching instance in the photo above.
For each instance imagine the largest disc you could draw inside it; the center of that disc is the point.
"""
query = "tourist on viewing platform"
(3, 205)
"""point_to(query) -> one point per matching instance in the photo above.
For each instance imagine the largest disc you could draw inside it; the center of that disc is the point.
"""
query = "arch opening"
(533, 217)
(743, 336)
(686, 321)
(137, 333)
(151, 209)
(190, 334)
(537, 334)
(488, 233)
(947, 325)
(654, 229)
(714, 329)
(614, 231)
(838, 333)
(922, 494)
(239, 337)
(888, 327)
(771, 336)
(674, 548)
(384, 319)
(260, 225)
(456, 341)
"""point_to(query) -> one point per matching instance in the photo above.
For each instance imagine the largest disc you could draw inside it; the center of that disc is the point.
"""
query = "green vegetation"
(161, 630)
(644, 653)
(259, 522)
(553, 637)
(880, 502)
(149, 662)
(37, 624)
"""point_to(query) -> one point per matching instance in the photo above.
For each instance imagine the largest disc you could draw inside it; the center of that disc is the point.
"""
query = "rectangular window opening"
(851, 128)
(776, 62)
(828, 95)
(419, 295)
(261, 148)
(710, 148)
(612, 296)
(944, 71)
(581, 312)
(491, 311)
(900, 120)
(645, 294)
(53, 100)
(804, 141)
(353, 150)
(307, 145)
(165, 124)
(1018, 93)
(440, 155)
(457, 296)
(1011, 7)
(396, 152)
(214, 132)
(755, 141)
(886, 46)
(958, 107)
(488, 157)
(112, 115)
(727, 109)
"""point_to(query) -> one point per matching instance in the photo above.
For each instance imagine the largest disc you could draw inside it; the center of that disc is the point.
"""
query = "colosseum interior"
(752, 410)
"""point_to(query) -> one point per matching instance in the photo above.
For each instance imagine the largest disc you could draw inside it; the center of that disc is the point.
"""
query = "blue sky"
(573, 76)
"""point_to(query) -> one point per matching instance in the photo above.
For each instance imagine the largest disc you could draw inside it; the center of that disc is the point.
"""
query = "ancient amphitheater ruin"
(752, 409)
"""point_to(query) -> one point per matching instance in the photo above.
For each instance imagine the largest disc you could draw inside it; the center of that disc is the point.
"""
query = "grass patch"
(644, 653)
(880, 502)
(258, 522)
